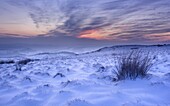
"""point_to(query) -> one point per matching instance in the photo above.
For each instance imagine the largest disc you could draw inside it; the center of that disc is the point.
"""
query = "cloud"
(104, 19)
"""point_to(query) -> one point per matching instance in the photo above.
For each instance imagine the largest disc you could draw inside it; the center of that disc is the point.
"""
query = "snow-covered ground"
(69, 79)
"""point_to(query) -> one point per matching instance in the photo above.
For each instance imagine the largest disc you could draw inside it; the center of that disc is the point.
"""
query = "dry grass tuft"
(134, 65)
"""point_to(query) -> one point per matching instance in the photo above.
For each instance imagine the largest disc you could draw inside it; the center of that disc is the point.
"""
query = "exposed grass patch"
(21, 63)
(7, 62)
(133, 65)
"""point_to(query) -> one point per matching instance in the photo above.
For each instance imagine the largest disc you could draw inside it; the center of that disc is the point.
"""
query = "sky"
(84, 22)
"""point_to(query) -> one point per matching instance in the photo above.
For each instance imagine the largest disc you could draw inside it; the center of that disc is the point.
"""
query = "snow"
(69, 79)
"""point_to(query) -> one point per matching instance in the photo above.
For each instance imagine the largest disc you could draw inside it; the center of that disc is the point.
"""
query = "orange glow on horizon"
(101, 34)
(21, 30)
(158, 35)
(93, 34)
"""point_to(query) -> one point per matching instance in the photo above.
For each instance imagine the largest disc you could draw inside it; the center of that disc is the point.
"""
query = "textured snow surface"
(69, 79)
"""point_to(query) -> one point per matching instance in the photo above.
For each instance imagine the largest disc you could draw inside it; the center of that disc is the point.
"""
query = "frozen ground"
(69, 79)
